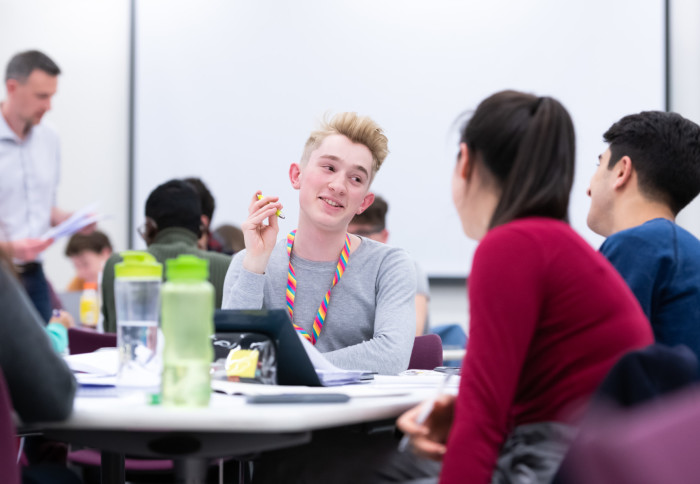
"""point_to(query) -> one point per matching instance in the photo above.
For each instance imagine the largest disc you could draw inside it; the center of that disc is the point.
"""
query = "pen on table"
(278, 212)
(425, 411)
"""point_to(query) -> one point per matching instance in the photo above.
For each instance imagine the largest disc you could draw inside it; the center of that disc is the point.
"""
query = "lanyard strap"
(292, 288)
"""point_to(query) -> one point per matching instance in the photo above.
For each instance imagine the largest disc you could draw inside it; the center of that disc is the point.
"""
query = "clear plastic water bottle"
(137, 296)
(188, 323)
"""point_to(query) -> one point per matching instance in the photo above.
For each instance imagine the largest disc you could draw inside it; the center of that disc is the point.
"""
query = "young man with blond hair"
(650, 171)
(369, 312)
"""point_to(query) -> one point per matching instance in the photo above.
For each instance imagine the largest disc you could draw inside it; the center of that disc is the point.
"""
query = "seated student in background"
(206, 241)
(88, 253)
(372, 224)
(650, 171)
(173, 227)
(230, 237)
(549, 316)
(370, 318)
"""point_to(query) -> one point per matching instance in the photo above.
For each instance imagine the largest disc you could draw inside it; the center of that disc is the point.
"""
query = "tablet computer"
(293, 364)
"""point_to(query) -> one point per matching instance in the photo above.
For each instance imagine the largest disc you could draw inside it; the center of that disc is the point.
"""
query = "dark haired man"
(650, 171)
(29, 160)
(173, 226)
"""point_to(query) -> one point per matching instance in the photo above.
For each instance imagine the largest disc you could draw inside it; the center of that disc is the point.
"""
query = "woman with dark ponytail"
(549, 316)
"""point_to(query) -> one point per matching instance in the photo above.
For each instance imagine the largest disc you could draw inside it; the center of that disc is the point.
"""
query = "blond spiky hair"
(358, 129)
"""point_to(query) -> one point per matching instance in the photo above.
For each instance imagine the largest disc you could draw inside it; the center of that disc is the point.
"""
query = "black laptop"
(293, 364)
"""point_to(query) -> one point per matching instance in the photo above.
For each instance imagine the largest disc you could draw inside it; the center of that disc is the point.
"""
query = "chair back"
(8, 439)
(427, 352)
(82, 340)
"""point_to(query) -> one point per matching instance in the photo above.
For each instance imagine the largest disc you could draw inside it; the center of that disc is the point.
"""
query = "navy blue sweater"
(660, 261)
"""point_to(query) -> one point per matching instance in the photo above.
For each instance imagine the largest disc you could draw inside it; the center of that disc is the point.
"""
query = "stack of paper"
(96, 368)
(80, 219)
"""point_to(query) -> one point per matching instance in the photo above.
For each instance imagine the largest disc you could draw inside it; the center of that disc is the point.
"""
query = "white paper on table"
(328, 373)
(80, 218)
(355, 391)
(104, 361)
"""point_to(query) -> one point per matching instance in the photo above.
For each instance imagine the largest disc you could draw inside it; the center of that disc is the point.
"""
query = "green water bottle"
(187, 320)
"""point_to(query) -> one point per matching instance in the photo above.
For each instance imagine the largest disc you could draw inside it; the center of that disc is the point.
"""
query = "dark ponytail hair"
(527, 143)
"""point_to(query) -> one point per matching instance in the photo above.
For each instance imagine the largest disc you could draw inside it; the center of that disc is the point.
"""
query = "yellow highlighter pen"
(278, 212)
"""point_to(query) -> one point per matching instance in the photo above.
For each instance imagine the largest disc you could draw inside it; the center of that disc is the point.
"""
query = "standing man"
(29, 163)
(650, 171)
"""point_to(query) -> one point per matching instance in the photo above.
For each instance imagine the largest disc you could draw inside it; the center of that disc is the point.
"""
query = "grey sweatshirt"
(371, 322)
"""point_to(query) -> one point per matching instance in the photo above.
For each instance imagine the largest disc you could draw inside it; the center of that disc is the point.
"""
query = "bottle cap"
(187, 267)
(138, 264)
(89, 285)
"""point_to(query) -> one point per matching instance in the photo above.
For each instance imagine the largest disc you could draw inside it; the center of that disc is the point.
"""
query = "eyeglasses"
(147, 226)
(367, 231)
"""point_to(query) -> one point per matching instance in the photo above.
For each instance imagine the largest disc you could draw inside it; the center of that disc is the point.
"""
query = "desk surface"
(387, 397)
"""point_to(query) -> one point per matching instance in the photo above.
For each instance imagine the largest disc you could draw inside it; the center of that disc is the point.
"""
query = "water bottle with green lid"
(137, 283)
(187, 323)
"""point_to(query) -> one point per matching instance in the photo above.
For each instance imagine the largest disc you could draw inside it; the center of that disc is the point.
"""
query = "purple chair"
(427, 352)
(82, 340)
(8, 439)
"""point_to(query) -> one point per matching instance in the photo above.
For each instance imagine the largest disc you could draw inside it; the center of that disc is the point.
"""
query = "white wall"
(685, 99)
(685, 81)
(89, 42)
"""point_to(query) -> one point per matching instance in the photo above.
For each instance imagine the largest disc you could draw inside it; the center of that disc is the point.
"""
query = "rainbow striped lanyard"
(292, 288)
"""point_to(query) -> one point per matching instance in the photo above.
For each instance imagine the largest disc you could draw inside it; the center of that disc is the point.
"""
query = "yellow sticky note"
(242, 363)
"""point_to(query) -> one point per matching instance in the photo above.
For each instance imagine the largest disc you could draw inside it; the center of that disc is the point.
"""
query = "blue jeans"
(34, 282)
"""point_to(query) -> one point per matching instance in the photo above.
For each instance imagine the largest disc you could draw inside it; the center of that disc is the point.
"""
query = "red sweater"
(549, 317)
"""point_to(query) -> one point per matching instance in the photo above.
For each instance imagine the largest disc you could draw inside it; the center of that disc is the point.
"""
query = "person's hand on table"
(429, 438)
(63, 318)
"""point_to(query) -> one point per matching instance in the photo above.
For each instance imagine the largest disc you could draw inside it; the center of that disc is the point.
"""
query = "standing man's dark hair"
(24, 63)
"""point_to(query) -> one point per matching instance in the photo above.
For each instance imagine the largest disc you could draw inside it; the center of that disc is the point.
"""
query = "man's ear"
(623, 171)
(369, 198)
(11, 85)
(205, 221)
(295, 175)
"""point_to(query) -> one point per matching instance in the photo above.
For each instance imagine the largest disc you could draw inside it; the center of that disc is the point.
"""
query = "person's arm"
(57, 329)
(58, 215)
(389, 350)
(109, 310)
(639, 261)
(41, 385)
(505, 294)
(25, 250)
(242, 289)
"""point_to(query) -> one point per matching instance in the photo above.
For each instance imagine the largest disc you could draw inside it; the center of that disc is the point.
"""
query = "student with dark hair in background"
(650, 171)
(372, 224)
(88, 253)
(30, 161)
(549, 316)
(206, 241)
(172, 228)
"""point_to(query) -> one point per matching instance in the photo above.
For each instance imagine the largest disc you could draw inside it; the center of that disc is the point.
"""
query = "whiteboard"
(229, 91)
